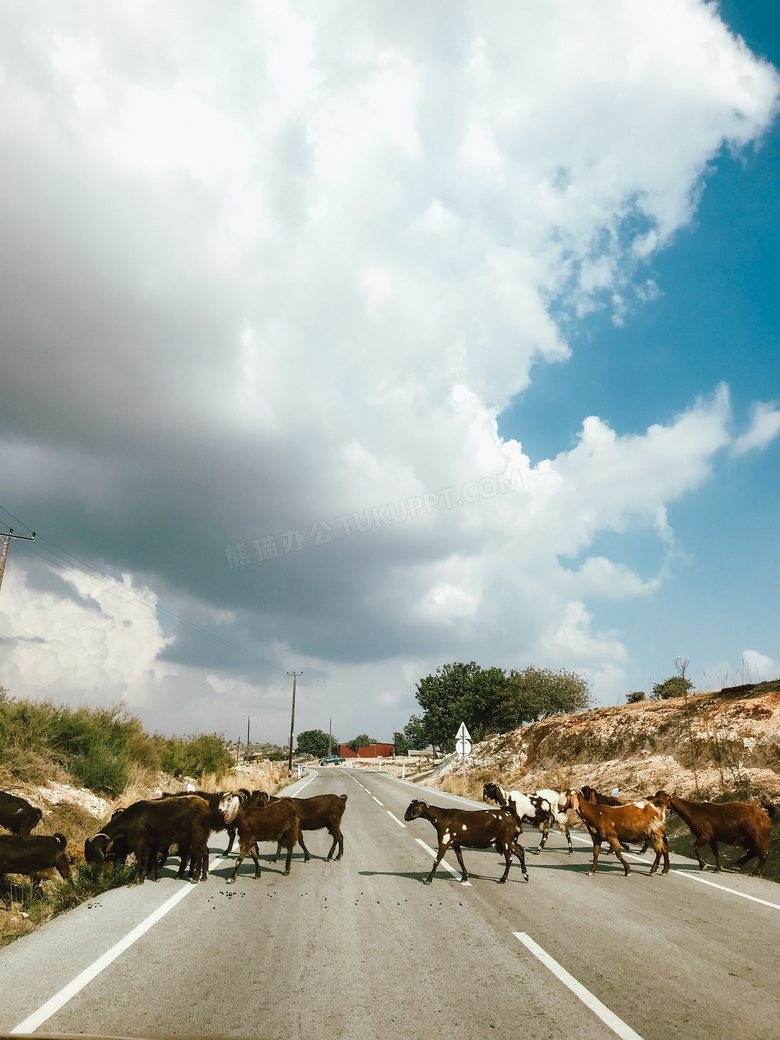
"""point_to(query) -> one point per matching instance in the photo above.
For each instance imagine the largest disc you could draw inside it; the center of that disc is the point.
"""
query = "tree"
(361, 740)
(400, 744)
(676, 686)
(538, 693)
(315, 742)
(460, 693)
(635, 697)
(415, 734)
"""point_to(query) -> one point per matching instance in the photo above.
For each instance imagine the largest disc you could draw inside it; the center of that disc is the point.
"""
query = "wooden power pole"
(6, 542)
(292, 721)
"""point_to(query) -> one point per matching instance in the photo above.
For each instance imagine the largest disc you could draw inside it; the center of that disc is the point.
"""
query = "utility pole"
(247, 732)
(6, 542)
(292, 721)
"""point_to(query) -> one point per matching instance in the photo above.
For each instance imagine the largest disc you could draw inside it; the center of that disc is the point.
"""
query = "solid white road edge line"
(609, 1018)
(302, 786)
(695, 877)
(724, 888)
(59, 1000)
(444, 863)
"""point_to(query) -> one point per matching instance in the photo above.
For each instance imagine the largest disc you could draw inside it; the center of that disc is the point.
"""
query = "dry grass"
(24, 907)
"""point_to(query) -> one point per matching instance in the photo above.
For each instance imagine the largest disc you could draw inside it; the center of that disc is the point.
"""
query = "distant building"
(372, 751)
(376, 751)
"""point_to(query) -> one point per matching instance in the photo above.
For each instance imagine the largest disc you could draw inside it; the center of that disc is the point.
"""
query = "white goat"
(539, 809)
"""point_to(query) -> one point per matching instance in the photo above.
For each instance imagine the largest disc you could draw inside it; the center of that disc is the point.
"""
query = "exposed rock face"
(705, 745)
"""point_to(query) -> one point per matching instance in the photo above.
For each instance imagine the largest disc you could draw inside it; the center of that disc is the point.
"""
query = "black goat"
(17, 815)
(480, 829)
(147, 826)
(34, 853)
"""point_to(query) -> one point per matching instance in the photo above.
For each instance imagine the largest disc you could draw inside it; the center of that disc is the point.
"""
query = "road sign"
(463, 740)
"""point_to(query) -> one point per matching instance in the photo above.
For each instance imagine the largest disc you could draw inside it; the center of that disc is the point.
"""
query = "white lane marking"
(377, 800)
(396, 819)
(724, 888)
(695, 877)
(299, 789)
(444, 863)
(59, 1000)
(609, 1018)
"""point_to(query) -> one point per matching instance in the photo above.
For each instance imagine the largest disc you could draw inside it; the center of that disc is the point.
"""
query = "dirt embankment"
(715, 745)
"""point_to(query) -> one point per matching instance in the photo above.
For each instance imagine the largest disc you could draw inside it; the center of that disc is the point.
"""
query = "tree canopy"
(361, 740)
(489, 700)
(316, 742)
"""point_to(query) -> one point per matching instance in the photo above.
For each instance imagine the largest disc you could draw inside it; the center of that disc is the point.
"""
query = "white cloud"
(764, 427)
(758, 667)
(102, 640)
(293, 268)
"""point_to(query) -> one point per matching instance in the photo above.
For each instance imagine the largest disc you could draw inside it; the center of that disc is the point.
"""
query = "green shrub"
(677, 686)
(193, 755)
(102, 769)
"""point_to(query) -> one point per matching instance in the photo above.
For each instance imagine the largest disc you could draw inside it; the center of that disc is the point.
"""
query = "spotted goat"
(479, 829)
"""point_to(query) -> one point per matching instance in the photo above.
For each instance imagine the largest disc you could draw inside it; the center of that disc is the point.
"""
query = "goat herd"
(148, 829)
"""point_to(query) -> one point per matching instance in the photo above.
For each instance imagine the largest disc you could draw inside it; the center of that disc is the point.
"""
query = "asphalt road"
(362, 949)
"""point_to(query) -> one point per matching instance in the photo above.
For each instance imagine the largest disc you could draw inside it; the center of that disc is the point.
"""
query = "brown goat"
(321, 810)
(734, 823)
(621, 823)
(33, 854)
(276, 822)
(590, 794)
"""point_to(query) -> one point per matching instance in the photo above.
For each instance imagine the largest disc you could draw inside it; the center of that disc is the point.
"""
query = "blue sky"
(716, 319)
(353, 344)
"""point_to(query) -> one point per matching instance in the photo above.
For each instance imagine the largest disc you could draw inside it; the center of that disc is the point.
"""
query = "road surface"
(362, 949)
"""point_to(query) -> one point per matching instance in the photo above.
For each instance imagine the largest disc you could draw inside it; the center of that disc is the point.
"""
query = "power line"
(58, 557)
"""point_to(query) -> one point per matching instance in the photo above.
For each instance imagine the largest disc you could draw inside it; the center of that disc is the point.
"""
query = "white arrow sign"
(463, 740)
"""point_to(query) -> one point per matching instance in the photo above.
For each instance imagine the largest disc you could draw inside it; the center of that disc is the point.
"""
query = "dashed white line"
(609, 1018)
(400, 824)
(377, 800)
(444, 863)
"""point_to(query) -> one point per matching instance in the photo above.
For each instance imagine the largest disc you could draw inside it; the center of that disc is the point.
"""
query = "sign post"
(463, 745)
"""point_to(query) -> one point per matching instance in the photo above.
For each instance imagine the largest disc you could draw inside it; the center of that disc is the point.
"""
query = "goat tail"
(293, 832)
(62, 841)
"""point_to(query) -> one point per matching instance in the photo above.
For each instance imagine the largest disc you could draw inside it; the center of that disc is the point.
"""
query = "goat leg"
(519, 851)
(464, 874)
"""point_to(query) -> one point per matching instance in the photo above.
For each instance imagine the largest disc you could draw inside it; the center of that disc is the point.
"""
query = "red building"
(376, 751)
(373, 751)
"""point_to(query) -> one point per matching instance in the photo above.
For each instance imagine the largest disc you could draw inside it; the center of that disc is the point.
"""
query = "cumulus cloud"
(291, 270)
(764, 427)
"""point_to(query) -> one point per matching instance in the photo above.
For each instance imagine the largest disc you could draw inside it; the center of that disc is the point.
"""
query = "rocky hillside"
(709, 746)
